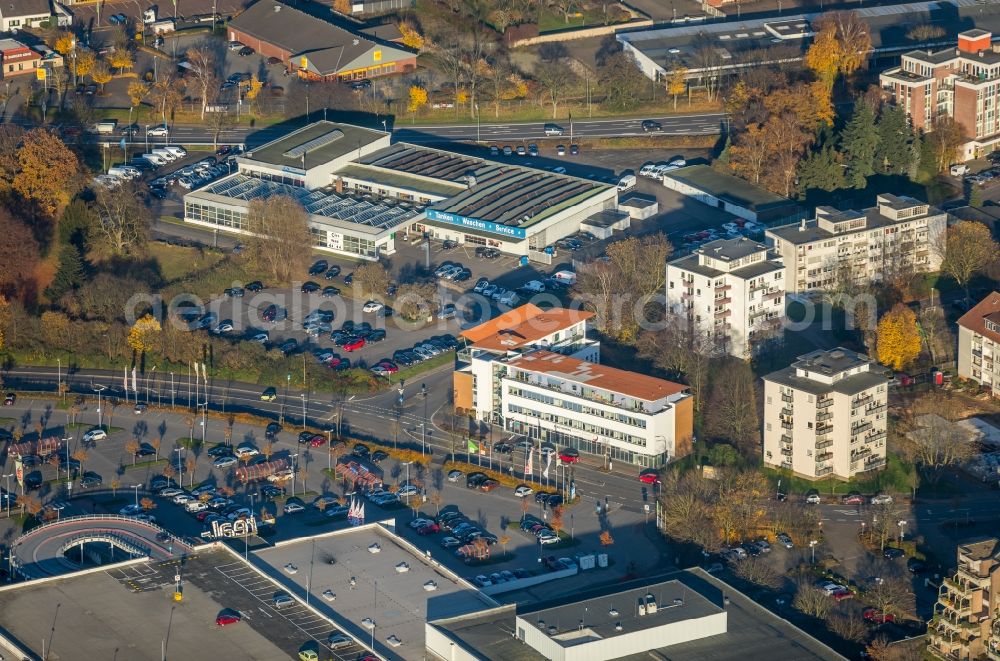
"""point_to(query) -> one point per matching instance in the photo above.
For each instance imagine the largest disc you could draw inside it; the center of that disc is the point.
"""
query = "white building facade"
(825, 415)
(900, 233)
(979, 344)
(732, 290)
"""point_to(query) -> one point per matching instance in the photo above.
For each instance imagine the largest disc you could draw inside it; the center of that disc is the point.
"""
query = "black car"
(309, 287)
(347, 326)
(448, 244)
(219, 451)
(30, 460)
(245, 51)
(376, 335)
(272, 430)
(330, 292)
(892, 553)
(361, 450)
(256, 285)
(33, 480)
(234, 292)
(378, 456)
(274, 60)
(319, 266)
(503, 448)
(289, 345)
(90, 479)
(915, 566)
(305, 436)
(349, 278)
(332, 272)
(145, 450)
(271, 491)
(649, 125)
(475, 480)
(554, 500)
(361, 85)
(403, 358)
(269, 312)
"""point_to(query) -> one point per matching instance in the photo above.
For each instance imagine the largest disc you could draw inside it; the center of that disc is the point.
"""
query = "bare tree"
(929, 434)
(758, 570)
(123, 219)
(812, 601)
(890, 595)
(848, 626)
(732, 413)
(279, 240)
(202, 72)
(557, 80)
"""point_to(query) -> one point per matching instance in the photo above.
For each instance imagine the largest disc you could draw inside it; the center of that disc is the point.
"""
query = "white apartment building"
(825, 415)
(899, 233)
(733, 290)
(535, 372)
(979, 344)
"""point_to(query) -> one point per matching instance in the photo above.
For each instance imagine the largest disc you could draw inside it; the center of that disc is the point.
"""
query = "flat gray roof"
(397, 601)
(397, 179)
(748, 42)
(829, 363)
(598, 616)
(727, 187)
(505, 194)
(795, 234)
(753, 632)
(126, 613)
(360, 213)
(322, 142)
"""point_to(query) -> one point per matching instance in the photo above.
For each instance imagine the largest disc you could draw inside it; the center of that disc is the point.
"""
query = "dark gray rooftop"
(636, 201)
(504, 194)
(752, 631)
(15, 8)
(322, 142)
(750, 43)
(730, 249)
(829, 363)
(727, 187)
(795, 234)
(605, 218)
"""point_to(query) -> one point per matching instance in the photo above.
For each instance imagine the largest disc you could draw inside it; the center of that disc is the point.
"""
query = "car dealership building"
(362, 191)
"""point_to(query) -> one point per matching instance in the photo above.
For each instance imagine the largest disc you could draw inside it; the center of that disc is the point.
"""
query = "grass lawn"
(894, 479)
(549, 21)
(145, 464)
(179, 261)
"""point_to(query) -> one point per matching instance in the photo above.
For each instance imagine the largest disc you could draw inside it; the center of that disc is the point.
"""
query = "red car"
(201, 516)
(429, 529)
(649, 478)
(227, 618)
(872, 614)
(354, 345)
(569, 456)
(853, 499)
(317, 441)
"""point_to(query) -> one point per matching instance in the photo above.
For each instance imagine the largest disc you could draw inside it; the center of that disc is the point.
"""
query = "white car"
(408, 490)
(648, 170)
(182, 498)
(523, 491)
(170, 492)
(455, 475)
(195, 506)
(420, 523)
(246, 451)
(293, 508)
(372, 306)
(881, 499)
(157, 131)
(95, 435)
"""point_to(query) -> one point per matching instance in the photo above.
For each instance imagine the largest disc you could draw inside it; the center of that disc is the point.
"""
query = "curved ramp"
(40, 552)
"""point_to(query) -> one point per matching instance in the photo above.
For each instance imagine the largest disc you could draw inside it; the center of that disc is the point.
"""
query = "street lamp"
(136, 488)
(294, 471)
(6, 497)
(812, 545)
(72, 43)
(179, 474)
(423, 435)
(902, 530)
(100, 416)
(303, 396)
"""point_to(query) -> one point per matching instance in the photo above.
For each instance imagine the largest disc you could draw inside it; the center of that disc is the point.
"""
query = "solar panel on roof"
(314, 144)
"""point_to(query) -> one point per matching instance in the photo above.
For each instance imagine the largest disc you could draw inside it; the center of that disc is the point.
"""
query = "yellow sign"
(304, 63)
(40, 74)
(178, 596)
(378, 56)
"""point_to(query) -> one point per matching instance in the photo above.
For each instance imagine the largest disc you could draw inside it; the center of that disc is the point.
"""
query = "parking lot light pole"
(136, 487)
(303, 395)
(100, 415)
(812, 545)
(294, 467)
(179, 451)
(6, 479)
(423, 435)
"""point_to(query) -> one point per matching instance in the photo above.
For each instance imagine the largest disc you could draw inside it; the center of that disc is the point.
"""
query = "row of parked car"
(452, 271)
(134, 169)
(655, 171)
(461, 530)
(541, 530)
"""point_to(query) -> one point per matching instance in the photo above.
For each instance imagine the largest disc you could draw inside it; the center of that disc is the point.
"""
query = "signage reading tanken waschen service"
(475, 224)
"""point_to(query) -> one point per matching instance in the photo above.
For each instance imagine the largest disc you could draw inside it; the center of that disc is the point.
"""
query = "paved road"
(700, 124)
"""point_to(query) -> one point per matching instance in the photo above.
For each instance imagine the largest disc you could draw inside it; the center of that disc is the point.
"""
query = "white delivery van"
(959, 169)
(179, 152)
(119, 173)
(165, 154)
(567, 278)
(154, 159)
(534, 286)
(627, 182)
(106, 126)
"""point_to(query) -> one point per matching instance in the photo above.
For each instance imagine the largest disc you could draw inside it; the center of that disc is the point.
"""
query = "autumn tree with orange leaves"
(898, 338)
(47, 171)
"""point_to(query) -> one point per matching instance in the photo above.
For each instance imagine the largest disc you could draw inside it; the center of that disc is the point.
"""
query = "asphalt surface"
(698, 124)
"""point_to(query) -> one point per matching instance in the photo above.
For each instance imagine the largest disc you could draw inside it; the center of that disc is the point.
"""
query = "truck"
(567, 278)
(106, 126)
(163, 26)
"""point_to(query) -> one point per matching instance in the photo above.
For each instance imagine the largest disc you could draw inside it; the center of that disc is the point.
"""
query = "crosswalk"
(298, 615)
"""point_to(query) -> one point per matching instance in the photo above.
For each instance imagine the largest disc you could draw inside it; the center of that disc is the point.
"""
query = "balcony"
(874, 410)
(786, 451)
(859, 454)
(720, 314)
(861, 429)
(723, 287)
(772, 295)
(820, 472)
(824, 403)
(874, 462)
(785, 438)
(877, 436)
(688, 294)
(723, 301)
(823, 428)
(825, 456)
(822, 417)
(786, 424)
(859, 401)
(787, 411)
(787, 397)
(963, 575)
(822, 445)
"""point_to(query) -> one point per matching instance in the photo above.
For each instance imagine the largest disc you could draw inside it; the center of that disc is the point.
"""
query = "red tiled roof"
(630, 384)
(522, 326)
(975, 319)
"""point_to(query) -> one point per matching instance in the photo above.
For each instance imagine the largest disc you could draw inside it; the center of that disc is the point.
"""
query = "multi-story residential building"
(979, 344)
(733, 290)
(825, 415)
(962, 83)
(535, 372)
(965, 625)
(900, 234)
